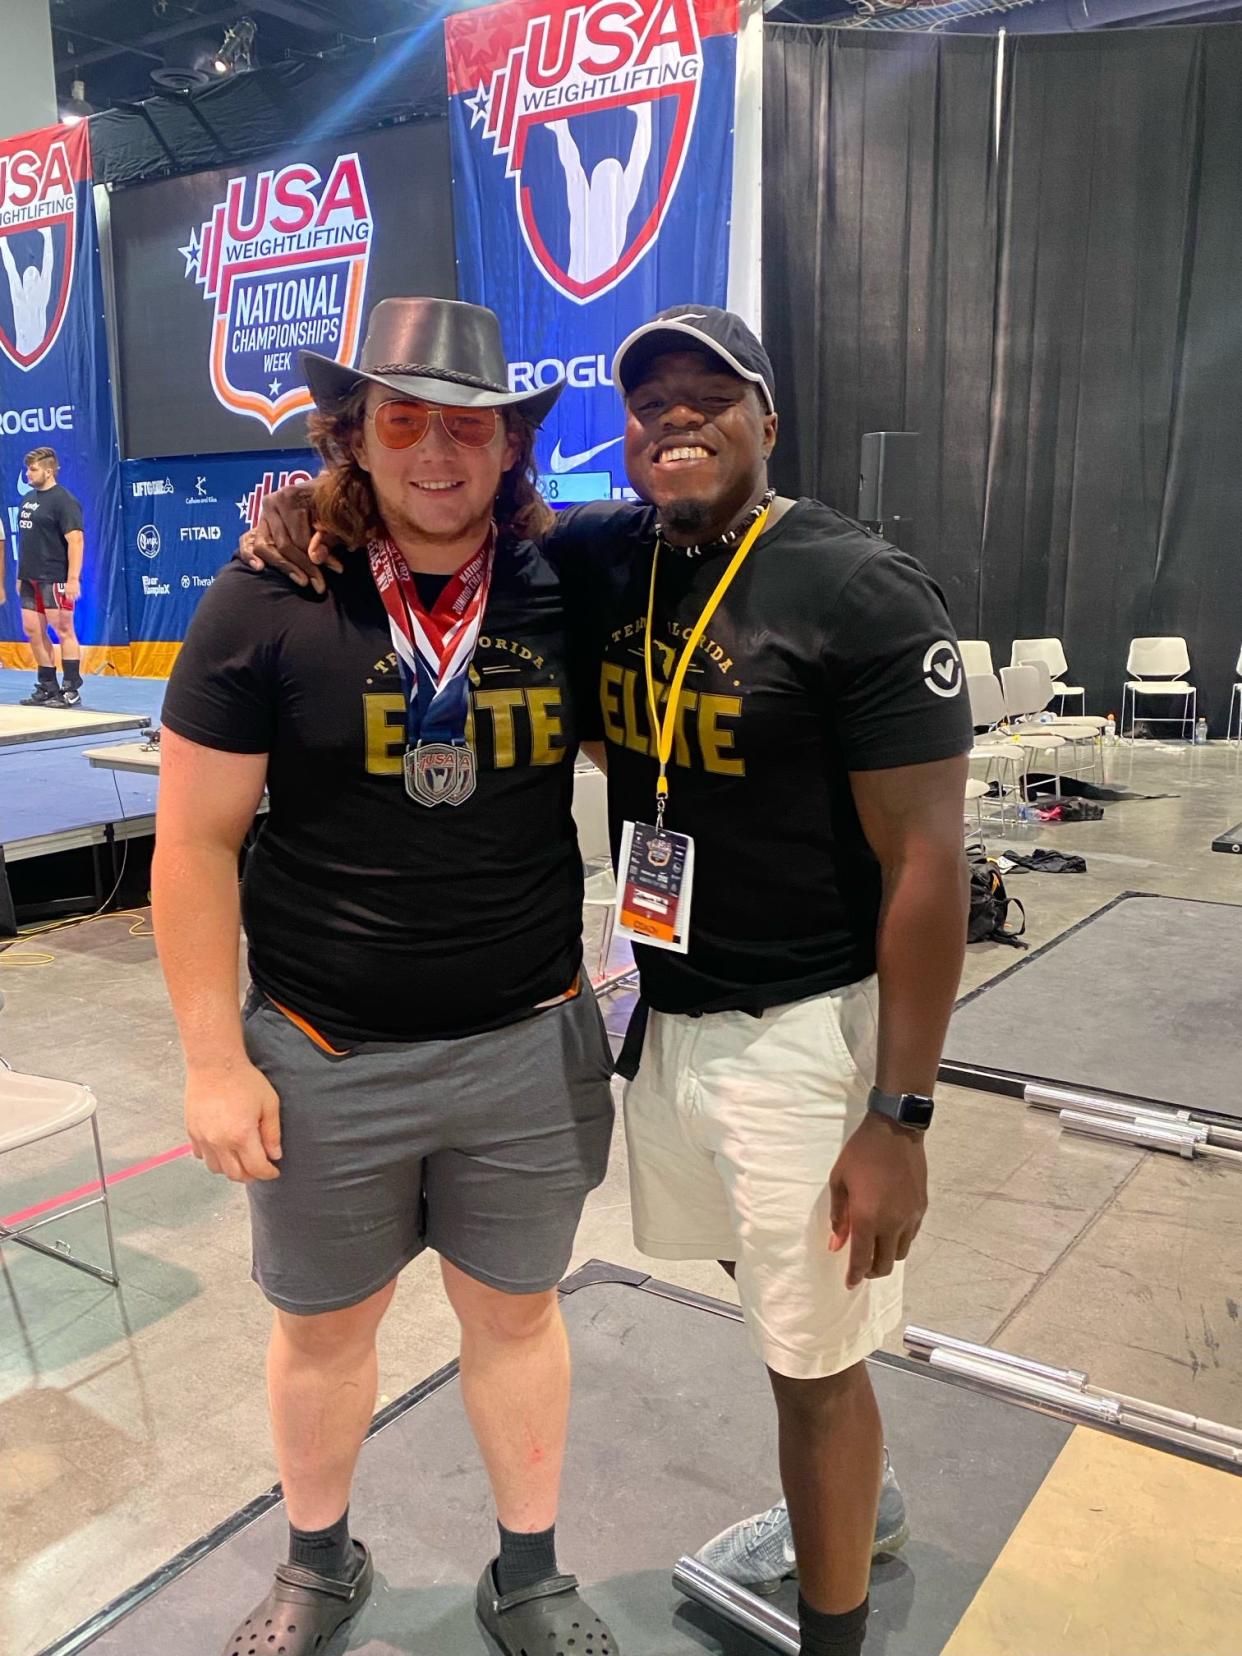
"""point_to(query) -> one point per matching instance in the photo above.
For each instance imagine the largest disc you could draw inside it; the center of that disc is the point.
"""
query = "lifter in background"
(51, 546)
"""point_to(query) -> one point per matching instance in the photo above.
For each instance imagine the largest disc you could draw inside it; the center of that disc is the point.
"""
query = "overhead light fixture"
(237, 48)
(75, 107)
(180, 80)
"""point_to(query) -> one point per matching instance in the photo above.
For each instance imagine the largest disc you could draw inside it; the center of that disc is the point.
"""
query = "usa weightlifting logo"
(588, 218)
(250, 504)
(38, 214)
(283, 259)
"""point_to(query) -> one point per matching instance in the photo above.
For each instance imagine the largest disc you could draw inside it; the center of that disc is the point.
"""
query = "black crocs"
(548, 1619)
(302, 1611)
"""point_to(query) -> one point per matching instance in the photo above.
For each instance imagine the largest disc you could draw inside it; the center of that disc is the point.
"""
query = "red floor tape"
(11, 1220)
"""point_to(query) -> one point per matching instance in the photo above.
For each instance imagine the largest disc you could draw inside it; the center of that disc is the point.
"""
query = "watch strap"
(907, 1109)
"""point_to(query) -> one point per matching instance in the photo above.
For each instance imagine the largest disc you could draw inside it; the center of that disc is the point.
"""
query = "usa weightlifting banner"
(223, 277)
(605, 165)
(54, 390)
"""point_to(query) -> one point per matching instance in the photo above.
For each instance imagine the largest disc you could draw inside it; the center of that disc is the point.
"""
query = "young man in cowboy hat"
(415, 1066)
(783, 690)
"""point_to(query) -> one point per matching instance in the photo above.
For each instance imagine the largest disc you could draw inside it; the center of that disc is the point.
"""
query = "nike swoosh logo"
(570, 462)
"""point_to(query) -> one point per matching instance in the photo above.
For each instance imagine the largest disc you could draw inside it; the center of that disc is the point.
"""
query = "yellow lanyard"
(665, 729)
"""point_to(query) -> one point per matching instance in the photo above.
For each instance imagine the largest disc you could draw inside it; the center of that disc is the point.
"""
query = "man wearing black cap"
(782, 702)
(783, 707)
(416, 1065)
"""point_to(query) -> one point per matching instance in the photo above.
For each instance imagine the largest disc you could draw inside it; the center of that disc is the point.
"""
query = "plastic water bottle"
(1201, 731)
(1110, 731)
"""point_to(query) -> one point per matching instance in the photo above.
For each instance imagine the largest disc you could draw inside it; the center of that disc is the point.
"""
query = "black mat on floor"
(1141, 998)
(672, 1439)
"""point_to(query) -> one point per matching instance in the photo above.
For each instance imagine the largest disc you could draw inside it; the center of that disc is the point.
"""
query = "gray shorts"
(483, 1148)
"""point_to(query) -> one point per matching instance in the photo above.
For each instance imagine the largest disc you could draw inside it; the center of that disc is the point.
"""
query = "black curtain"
(879, 253)
(1065, 331)
(1116, 447)
(1195, 587)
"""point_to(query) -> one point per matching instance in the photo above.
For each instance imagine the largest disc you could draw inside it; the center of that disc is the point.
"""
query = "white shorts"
(734, 1124)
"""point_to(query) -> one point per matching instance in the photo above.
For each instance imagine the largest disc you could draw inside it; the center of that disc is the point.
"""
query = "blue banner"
(593, 185)
(54, 388)
(183, 519)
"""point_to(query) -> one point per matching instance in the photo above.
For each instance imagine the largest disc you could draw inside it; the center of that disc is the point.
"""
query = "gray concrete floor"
(133, 1421)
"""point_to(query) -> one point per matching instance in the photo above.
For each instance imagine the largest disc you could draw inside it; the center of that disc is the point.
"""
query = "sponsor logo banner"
(54, 390)
(283, 261)
(183, 519)
(595, 143)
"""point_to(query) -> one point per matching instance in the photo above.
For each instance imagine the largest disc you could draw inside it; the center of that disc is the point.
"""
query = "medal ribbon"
(434, 646)
(664, 728)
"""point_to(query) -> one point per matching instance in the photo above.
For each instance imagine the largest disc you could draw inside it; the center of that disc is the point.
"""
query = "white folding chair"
(1079, 733)
(976, 793)
(591, 820)
(33, 1108)
(1052, 653)
(1235, 706)
(987, 701)
(976, 656)
(995, 748)
(1021, 689)
(1158, 667)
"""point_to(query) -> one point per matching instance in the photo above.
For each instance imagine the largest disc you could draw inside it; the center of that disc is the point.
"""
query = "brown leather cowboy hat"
(435, 350)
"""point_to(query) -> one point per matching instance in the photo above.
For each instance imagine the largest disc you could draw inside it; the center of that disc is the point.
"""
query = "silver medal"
(440, 773)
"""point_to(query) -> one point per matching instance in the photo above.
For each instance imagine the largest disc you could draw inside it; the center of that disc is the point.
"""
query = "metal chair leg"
(610, 917)
(62, 1253)
(103, 1196)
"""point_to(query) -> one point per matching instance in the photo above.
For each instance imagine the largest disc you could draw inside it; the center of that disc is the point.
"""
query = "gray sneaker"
(758, 1552)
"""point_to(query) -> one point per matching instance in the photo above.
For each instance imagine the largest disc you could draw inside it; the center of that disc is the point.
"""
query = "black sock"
(47, 678)
(825, 1635)
(525, 1559)
(71, 672)
(329, 1552)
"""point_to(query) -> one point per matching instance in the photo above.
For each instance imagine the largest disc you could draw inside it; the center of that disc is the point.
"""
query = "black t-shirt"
(831, 652)
(370, 915)
(47, 516)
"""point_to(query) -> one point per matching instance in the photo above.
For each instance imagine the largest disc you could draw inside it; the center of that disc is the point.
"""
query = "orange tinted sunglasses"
(399, 425)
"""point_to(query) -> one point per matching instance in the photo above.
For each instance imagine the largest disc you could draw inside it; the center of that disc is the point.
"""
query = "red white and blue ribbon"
(434, 646)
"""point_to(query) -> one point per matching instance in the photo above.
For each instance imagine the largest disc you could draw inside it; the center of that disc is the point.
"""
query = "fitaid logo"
(283, 260)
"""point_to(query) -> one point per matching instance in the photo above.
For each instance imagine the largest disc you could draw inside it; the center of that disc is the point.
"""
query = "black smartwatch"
(907, 1109)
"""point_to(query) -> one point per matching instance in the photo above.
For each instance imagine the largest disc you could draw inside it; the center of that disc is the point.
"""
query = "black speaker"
(888, 476)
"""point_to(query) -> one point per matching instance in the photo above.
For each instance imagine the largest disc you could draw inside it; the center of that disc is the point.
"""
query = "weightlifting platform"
(60, 724)
(1230, 842)
(1142, 996)
(52, 802)
(1033, 1533)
